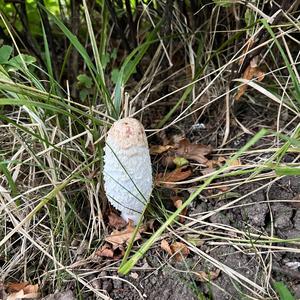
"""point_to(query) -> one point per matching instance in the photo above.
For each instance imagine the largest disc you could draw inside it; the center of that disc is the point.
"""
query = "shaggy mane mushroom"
(127, 168)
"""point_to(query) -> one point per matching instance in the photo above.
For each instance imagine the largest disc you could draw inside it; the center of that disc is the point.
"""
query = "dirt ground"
(157, 277)
(172, 281)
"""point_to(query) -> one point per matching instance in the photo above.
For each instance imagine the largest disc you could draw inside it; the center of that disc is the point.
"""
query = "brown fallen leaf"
(111, 252)
(159, 149)
(211, 275)
(105, 251)
(116, 221)
(13, 287)
(118, 238)
(251, 72)
(165, 246)
(178, 174)
(190, 151)
(22, 290)
(179, 249)
(177, 202)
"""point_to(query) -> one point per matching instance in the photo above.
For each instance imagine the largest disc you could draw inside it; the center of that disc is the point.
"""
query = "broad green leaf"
(5, 53)
(17, 62)
(85, 81)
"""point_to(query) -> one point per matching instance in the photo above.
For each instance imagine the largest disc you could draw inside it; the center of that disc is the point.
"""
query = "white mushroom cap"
(127, 168)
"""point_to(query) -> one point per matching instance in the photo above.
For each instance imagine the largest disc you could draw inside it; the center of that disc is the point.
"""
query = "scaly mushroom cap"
(127, 168)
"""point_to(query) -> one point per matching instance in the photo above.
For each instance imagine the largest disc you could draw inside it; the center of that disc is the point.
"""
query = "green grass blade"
(283, 291)
(10, 181)
(291, 171)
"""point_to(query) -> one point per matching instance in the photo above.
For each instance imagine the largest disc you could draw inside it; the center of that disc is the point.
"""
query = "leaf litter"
(177, 249)
(22, 290)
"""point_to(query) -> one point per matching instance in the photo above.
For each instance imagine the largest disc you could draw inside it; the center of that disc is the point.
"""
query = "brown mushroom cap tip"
(127, 132)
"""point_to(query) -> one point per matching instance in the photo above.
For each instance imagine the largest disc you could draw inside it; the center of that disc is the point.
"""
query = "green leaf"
(5, 53)
(17, 62)
(85, 81)
(283, 291)
(83, 94)
(180, 161)
(115, 75)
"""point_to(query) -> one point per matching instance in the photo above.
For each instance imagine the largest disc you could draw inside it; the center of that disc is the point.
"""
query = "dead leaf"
(181, 250)
(30, 289)
(159, 149)
(251, 72)
(223, 188)
(105, 251)
(165, 246)
(118, 238)
(195, 152)
(211, 275)
(178, 174)
(213, 163)
(177, 202)
(22, 290)
(116, 221)
(13, 287)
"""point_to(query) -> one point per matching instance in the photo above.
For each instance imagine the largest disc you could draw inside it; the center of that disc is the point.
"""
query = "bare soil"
(169, 280)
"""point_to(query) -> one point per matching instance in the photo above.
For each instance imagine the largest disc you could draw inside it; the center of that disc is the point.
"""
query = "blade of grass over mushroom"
(127, 265)
(295, 81)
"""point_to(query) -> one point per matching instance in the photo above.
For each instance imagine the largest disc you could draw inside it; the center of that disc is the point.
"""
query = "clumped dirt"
(170, 280)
